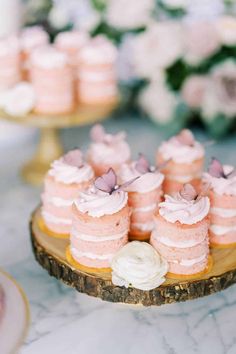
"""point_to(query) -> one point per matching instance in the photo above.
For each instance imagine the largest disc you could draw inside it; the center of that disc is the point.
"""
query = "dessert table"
(65, 322)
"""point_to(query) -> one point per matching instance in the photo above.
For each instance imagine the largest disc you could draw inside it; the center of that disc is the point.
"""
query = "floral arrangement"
(177, 58)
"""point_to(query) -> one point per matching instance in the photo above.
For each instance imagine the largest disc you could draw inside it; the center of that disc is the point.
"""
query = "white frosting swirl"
(176, 208)
(48, 57)
(139, 265)
(222, 185)
(117, 152)
(65, 173)
(147, 181)
(97, 203)
(180, 153)
(98, 51)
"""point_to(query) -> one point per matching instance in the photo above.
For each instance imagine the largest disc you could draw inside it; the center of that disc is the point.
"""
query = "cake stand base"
(50, 253)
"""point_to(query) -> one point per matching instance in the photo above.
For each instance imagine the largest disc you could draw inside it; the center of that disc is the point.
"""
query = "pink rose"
(193, 90)
(201, 41)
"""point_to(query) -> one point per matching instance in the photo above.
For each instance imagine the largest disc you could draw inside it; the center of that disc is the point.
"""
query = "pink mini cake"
(222, 182)
(100, 223)
(63, 183)
(185, 157)
(10, 70)
(71, 42)
(143, 196)
(107, 150)
(97, 82)
(181, 232)
(30, 39)
(52, 79)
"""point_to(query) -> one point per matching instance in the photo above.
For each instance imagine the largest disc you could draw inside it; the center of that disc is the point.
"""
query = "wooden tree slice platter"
(50, 253)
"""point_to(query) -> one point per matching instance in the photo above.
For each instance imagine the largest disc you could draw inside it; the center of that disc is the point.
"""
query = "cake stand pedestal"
(49, 146)
(50, 253)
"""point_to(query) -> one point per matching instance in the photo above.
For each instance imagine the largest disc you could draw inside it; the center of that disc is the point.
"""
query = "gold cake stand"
(50, 253)
(49, 147)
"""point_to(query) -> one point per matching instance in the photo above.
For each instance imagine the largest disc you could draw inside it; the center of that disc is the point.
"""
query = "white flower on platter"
(18, 100)
(220, 95)
(131, 14)
(158, 47)
(80, 14)
(138, 265)
(158, 102)
(201, 41)
(226, 26)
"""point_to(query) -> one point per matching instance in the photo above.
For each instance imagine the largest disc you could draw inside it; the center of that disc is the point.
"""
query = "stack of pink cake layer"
(30, 39)
(71, 43)
(97, 72)
(52, 78)
(62, 185)
(181, 234)
(100, 227)
(10, 64)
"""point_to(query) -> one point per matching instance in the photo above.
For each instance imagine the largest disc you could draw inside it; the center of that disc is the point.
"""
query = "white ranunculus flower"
(226, 26)
(158, 102)
(138, 265)
(19, 100)
(204, 9)
(158, 47)
(131, 14)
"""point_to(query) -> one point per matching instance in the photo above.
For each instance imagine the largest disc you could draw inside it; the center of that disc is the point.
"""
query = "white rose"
(158, 102)
(158, 47)
(123, 14)
(139, 265)
(19, 100)
(226, 27)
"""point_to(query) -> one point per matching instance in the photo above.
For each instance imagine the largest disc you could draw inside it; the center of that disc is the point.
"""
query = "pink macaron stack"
(30, 39)
(10, 67)
(96, 76)
(71, 42)
(181, 232)
(144, 194)
(52, 79)
(100, 223)
(62, 185)
(222, 184)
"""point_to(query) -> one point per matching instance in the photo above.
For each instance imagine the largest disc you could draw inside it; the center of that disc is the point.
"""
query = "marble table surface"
(66, 322)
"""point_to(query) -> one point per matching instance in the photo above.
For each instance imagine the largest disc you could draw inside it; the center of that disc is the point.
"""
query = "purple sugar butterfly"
(188, 192)
(143, 166)
(74, 158)
(99, 135)
(216, 170)
(185, 137)
(108, 182)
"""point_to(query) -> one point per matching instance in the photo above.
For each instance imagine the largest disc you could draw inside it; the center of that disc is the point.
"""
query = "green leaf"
(219, 126)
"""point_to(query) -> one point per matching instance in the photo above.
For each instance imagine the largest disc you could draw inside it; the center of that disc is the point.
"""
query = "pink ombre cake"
(10, 69)
(222, 182)
(144, 194)
(97, 82)
(100, 223)
(185, 157)
(52, 79)
(107, 150)
(62, 185)
(181, 232)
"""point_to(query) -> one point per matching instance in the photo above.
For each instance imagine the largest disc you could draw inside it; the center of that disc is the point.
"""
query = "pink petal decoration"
(185, 137)
(216, 169)
(188, 192)
(107, 181)
(142, 165)
(74, 158)
(97, 133)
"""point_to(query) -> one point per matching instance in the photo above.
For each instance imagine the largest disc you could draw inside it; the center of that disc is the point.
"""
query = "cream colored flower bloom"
(226, 27)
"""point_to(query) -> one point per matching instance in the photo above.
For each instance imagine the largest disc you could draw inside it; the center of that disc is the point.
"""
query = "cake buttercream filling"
(144, 226)
(222, 185)
(149, 207)
(178, 244)
(55, 220)
(139, 265)
(79, 254)
(223, 212)
(147, 181)
(221, 230)
(190, 262)
(92, 238)
(176, 208)
(183, 179)
(98, 203)
(58, 202)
